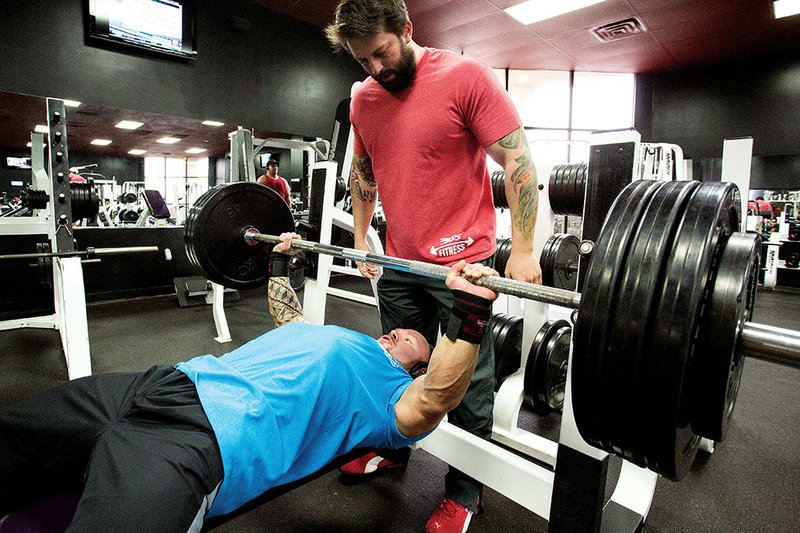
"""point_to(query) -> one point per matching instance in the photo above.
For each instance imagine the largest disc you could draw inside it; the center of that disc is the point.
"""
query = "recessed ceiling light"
(101, 142)
(786, 8)
(213, 123)
(129, 124)
(168, 140)
(72, 103)
(538, 10)
(137, 151)
(41, 129)
(195, 150)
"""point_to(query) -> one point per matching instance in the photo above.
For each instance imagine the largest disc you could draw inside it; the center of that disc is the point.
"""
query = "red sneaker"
(449, 517)
(367, 464)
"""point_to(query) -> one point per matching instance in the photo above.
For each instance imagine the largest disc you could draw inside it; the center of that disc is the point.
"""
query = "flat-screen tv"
(160, 26)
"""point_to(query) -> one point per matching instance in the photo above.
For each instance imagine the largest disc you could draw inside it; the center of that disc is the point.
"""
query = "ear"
(408, 31)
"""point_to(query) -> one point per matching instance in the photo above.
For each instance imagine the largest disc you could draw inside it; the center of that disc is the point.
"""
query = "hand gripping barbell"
(662, 325)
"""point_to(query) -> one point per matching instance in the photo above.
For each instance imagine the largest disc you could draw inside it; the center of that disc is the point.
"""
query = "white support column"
(737, 158)
(70, 303)
(316, 291)
(519, 479)
(217, 298)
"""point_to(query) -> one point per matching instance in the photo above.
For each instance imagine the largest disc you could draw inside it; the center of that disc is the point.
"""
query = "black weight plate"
(581, 189)
(593, 366)
(717, 366)
(565, 257)
(642, 277)
(571, 189)
(555, 189)
(710, 218)
(546, 260)
(499, 330)
(495, 327)
(214, 233)
(550, 377)
(507, 358)
(501, 254)
(499, 189)
(536, 353)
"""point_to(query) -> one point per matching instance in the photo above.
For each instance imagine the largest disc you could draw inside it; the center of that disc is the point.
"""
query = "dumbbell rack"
(55, 221)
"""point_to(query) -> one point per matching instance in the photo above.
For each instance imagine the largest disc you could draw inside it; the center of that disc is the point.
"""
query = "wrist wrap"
(469, 317)
(279, 265)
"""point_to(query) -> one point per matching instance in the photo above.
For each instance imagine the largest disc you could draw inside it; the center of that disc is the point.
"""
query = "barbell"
(663, 321)
(89, 253)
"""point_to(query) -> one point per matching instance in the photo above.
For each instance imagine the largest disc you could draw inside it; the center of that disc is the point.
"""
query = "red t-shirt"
(277, 184)
(427, 146)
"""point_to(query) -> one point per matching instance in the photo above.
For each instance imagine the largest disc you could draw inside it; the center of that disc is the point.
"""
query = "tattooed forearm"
(362, 180)
(524, 182)
(527, 209)
(512, 140)
(283, 303)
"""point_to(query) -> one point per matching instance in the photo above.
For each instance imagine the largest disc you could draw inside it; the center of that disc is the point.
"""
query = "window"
(567, 106)
(180, 181)
(602, 101)
(541, 97)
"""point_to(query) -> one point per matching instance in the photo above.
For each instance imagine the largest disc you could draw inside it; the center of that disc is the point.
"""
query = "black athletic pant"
(139, 446)
(412, 301)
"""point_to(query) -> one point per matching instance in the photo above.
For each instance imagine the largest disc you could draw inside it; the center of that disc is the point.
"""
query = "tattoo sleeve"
(362, 180)
(283, 303)
(524, 181)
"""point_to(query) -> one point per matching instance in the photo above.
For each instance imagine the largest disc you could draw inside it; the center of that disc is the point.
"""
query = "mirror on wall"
(122, 151)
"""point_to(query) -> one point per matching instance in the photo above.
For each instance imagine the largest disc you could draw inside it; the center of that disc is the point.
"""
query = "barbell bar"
(508, 286)
(88, 253)
(763, 342)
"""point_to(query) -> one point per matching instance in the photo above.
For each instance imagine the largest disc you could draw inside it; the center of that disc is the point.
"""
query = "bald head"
(409, 347)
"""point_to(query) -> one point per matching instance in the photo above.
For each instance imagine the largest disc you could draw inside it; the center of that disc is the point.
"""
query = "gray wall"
(699, 108)
(280, 75)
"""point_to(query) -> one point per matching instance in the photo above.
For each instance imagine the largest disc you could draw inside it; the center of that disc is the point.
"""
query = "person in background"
(764, 207)
(275, 182)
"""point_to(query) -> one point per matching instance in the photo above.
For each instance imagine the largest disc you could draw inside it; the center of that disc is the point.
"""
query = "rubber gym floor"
(750, 483)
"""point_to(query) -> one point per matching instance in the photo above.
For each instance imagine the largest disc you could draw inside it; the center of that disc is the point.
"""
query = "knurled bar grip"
(512, 287)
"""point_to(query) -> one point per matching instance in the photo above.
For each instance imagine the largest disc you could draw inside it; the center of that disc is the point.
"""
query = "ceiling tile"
(519, 39)
(449, 15)
(477, 30)
(589, 17)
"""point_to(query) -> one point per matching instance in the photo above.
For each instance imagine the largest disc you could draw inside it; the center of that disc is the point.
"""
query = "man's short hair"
(273, 162)
(365, 18)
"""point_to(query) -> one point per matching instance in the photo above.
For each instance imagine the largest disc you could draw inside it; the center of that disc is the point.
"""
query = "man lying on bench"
(163, 449)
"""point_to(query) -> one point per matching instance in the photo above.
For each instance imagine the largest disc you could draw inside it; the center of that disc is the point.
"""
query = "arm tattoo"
(512, 140)
(282, 300)
(362, 180)
(525, 183)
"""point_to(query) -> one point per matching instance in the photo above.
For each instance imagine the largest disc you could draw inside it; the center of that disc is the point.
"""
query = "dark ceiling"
(88, 122)
(679, 34)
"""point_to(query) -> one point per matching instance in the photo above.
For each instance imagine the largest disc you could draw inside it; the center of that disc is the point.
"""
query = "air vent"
(619, 30)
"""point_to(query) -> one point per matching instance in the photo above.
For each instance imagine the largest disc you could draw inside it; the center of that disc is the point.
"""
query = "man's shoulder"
(451, 60)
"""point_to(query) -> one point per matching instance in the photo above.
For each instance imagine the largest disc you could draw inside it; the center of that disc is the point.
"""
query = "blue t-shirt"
(286, 404)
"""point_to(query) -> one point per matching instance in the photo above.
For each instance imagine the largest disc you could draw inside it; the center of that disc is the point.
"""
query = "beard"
(401, 76)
